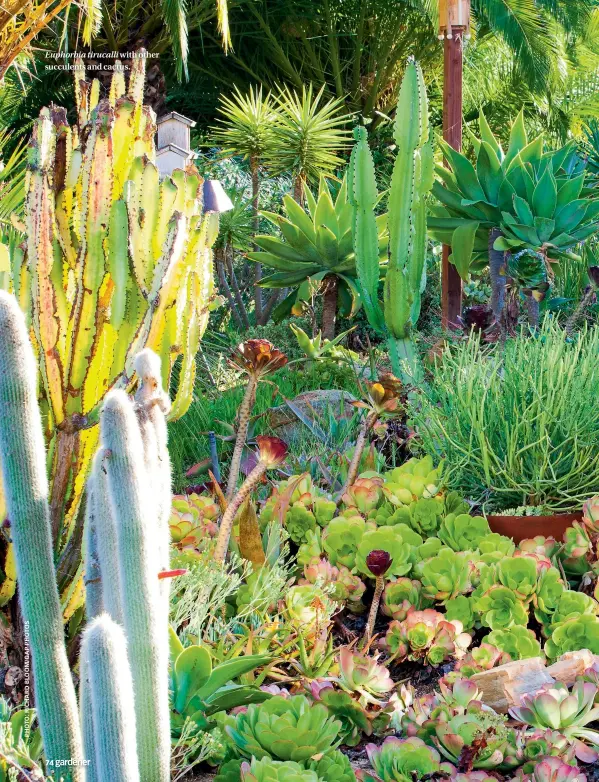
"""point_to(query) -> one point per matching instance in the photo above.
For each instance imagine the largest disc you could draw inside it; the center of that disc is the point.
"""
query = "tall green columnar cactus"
(412, 179)
(106, 539)
(143, 614)
(104, 654)
(26, 489)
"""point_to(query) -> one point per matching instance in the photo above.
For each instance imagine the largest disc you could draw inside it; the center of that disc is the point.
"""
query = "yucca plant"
(308, 135)
(524, 198)
(246, 129)
(315, 250)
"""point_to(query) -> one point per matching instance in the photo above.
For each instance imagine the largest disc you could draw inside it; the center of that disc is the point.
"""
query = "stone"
(503, 687)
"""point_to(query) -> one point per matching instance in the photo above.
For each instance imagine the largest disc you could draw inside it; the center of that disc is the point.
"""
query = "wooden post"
(454, 18)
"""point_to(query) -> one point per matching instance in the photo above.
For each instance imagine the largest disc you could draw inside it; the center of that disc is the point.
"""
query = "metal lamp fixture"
(215, 197)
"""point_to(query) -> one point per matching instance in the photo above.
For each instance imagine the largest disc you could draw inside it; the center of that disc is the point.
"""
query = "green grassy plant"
(518, 427)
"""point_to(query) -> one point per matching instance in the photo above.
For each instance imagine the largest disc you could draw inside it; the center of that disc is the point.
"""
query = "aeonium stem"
(365, 427)
(226, 525)
(374, 608)
(245, 411)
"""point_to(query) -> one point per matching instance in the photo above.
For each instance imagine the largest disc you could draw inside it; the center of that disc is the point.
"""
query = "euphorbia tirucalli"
(257, 358)
(272, 452)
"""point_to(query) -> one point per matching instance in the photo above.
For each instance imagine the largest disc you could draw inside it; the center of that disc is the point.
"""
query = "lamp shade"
(215, 198)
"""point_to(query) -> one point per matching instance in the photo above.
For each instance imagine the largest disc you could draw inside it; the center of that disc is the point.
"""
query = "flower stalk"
(378, 562)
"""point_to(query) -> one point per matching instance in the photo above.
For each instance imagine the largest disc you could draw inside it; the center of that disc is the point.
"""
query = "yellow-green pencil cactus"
(143, 615)
(412, 179)
(26, 490)
(104, 652)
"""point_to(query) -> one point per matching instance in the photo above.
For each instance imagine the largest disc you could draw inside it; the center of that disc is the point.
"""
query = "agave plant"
(315, 251)
(524, 198)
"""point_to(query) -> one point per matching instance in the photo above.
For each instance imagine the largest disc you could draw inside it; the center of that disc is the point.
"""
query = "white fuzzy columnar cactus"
(133, 507)
(26, 489)
(111, 704)
(106, 540)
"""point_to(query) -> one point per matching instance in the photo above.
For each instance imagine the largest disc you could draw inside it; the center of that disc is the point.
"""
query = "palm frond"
(175, 17)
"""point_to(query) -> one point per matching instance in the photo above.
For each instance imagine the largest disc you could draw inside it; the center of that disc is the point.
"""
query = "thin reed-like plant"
(518, 426)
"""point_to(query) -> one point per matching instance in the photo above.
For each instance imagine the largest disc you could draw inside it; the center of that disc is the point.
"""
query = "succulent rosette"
(517, 573)
(462, 532)
(193, 520)
(311, 549)
(307, 606)
(353, 717)
(257, 357)
(550, 588)
(425, 516)
(483, 733)
(578, 632)
(401, 595)
(481, 658)
(340, 583)
(499, 608)
(267, 770)
(577, 543)
(461, 609)
(389, 540)
(364, 675)
(333, 767)
(569, 605)
(284, 729)
(590, 515)
(547, 546)
(552, 769)
(543, 743)
(426, 635)
(402, 760)
(568, 711)
(494, 547)
(307, 507)
(413, 480)
(518, 642)
(365, 494)
(446, 575)
(342, 537)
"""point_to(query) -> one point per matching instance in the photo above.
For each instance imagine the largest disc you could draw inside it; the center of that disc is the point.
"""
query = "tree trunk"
(298, 189)
(498, 273)
(240, 305)
(224, 285)
(329, 306)
(256, 225)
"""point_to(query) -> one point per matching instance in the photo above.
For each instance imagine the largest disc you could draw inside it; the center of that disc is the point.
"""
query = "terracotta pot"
(522, 527)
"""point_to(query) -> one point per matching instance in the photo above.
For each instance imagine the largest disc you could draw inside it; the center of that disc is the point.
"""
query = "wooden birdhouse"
(173, 147)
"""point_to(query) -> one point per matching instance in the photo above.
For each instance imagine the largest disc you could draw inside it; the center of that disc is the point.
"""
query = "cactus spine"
(104, 656)
(143, 614)
(412, 179)
(26, 491)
